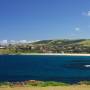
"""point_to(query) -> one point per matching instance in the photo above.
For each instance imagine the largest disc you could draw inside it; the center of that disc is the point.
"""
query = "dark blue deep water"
(52, 68)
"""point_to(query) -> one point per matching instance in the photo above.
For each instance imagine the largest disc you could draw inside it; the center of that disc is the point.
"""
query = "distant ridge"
(85, 42)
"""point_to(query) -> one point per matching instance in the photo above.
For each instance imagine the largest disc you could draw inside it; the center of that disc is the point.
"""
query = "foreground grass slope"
(81, 87)
(34, 83)
(48, 85)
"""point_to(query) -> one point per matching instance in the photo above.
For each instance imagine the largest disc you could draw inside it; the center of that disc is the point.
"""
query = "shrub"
(84, 82)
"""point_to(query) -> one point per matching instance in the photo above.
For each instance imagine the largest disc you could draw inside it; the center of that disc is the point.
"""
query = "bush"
(52, 83)
(84, 82)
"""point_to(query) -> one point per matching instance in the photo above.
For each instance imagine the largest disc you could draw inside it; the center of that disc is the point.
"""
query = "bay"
(44, 67)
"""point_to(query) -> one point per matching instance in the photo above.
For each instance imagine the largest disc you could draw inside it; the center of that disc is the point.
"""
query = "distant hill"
(66, 46)
(83, 42)
(50, 46)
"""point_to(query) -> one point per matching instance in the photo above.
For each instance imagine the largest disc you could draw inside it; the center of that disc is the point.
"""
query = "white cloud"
(23, 41)
(86, 13)
(4, 41)
(77, 29)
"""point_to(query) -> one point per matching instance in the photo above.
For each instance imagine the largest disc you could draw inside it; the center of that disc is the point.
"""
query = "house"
(2, 48)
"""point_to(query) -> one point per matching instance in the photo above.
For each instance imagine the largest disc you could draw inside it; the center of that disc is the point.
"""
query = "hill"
(49, 46)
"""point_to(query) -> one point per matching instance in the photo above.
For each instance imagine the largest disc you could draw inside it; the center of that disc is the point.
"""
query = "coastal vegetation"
(31, 83)
(48, 46)
(34, 83)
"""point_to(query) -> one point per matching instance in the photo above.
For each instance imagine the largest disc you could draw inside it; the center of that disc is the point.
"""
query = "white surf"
(87, 65)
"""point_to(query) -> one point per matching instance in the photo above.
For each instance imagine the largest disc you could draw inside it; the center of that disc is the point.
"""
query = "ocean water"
(47, 68)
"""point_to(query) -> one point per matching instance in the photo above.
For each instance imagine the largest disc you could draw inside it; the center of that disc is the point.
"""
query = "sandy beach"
(80, 87)
(56, 54)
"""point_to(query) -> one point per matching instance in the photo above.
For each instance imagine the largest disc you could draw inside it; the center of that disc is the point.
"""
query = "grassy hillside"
(85, 43)
(63, 42)
(50, 46)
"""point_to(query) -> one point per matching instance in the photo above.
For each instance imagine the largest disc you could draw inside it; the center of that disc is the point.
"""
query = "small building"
(2, 47)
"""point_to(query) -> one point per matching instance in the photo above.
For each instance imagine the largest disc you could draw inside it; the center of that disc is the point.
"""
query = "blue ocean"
(44, 67)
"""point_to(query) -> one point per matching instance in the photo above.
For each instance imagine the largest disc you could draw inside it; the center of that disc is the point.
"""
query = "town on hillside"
(45, 46)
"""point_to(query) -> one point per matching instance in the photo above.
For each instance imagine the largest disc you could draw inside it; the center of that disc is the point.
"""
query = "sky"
(44, 19)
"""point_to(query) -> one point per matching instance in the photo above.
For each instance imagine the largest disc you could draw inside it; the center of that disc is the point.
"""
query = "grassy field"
(78, 87)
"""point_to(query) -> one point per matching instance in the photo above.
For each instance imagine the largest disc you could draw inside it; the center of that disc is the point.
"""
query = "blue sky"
(44, 19)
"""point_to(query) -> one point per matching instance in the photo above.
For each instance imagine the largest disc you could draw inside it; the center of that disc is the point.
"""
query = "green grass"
(40, 83)
(36, 83)
(85, 43)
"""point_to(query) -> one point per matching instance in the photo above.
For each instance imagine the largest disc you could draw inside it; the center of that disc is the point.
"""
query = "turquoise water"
(52, 68)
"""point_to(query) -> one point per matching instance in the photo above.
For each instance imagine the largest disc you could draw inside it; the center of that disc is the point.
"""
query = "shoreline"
(54, 54)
